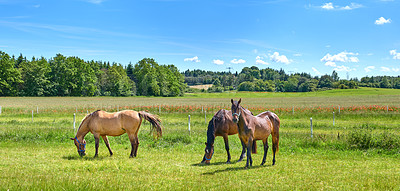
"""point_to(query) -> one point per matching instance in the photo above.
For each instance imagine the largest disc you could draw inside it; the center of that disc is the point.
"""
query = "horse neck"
(242, 118)
(211, 132)
(83, 129)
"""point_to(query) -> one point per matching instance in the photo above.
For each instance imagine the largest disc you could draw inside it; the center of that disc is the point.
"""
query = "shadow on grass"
(215, 163)
(236, 169)
(86, 158)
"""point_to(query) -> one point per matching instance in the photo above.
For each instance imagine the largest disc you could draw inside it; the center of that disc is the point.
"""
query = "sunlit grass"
(38, 155)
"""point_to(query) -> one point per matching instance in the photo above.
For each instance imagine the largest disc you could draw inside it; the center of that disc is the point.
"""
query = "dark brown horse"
(256, 128)
(103, 124)
(222, 125)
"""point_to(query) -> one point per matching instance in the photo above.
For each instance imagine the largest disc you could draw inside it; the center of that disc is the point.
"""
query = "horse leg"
(134, 144)
(107, 144)
(227, 148)
(249, 159)
(96, 140)
(243, 151)
(265, 151)
(275, 146)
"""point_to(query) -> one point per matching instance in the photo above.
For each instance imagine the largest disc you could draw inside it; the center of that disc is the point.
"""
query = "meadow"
(359, 152)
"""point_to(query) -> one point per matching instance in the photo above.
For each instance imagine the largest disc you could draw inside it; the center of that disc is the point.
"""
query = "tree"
(10, 77)
(155, 80)
(36, 77)
(335, 76)
(325, 82)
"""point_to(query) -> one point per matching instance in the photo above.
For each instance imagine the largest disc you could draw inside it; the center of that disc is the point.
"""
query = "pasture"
(360, 151)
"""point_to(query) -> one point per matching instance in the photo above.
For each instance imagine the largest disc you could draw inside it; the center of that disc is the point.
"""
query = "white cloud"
(218, 62)
(369, 68)
(280, 58)
(330, 6)
(341, 57)
(395, 54)
(332, 60)
(382, 21)
(343, 68)
(385, 69)
(316, 71)
(236, 61)
(194, 59)
(260, 61)
(297, 54)
(329, 63)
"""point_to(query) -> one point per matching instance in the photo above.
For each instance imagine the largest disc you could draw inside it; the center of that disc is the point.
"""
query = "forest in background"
(72, 76)
(271, 80)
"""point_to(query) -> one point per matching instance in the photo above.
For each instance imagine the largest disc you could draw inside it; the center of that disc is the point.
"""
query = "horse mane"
(87, 118)
(211, 127)
(246, 110)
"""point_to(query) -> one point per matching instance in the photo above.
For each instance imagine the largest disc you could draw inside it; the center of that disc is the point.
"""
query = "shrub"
(364, 139)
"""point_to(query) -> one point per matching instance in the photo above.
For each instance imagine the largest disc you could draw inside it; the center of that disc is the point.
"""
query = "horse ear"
(72, 138)
(239, 101)
(232, 101)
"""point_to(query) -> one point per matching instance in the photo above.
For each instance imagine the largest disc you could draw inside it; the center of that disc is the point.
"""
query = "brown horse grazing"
(103, 124)
(222, 125)
(256, 128)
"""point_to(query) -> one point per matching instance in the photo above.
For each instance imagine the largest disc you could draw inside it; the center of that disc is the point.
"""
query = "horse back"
(223, 123)
(115, 124)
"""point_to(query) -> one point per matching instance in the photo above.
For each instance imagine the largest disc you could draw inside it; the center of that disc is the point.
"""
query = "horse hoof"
(228, 162)
(240, 160)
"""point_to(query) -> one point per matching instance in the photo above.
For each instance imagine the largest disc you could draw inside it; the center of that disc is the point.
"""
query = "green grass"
(38, 155)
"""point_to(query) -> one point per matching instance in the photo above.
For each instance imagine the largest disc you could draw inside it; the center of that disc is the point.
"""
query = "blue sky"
(355, 38)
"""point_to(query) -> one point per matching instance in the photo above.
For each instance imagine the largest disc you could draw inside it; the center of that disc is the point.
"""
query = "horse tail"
(154, 120)
(276, 123)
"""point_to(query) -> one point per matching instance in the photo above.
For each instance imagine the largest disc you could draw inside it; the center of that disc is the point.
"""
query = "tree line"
(272, 80)
(72, 76)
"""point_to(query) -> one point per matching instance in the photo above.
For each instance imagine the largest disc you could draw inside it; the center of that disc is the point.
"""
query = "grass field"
(360, 152)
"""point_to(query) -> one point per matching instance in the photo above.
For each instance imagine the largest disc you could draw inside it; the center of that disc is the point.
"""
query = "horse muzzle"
(82, 153)
(235, 120)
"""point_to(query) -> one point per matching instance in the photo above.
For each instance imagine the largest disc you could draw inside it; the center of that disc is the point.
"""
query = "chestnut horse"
(103, 124)
(256, 128)
(222, 125)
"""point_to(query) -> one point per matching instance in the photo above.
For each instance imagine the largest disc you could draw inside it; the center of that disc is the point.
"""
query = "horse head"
(236, 111)
(209, 151)
(80, 145)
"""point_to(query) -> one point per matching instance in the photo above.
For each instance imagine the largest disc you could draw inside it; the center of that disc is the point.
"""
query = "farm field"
(360, 151)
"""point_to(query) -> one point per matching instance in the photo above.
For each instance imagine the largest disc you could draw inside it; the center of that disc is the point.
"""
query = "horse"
(221, 125)
(103, 124)
(256, 128)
